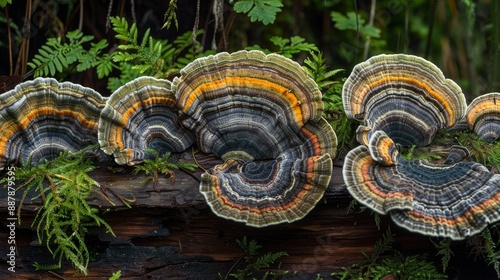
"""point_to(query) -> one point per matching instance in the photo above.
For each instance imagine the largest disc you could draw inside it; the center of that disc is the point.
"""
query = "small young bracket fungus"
(457, 154)
(483, 116)
(382, 148)
(454, 201)
(139, 115)
(405, 96)
(262, 115)
(42, 117)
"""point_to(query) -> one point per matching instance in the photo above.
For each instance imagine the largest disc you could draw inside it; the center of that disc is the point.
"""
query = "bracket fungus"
(404, 100)
(405, 96)
(447, 200)
(262, 115)
(483, 116)
(382, 148)
(139, 115)
(457, 154)
(42, 117)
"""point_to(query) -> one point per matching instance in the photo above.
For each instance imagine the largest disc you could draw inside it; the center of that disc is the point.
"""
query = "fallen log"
(173, 233)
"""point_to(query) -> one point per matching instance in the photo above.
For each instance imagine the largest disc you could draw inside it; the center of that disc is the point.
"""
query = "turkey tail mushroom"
(382, 148)
(274, 191)
(483, 116)
(262, 115)
(139, 115)
(405, 96)
(42, 117)
(404, 100)
(446, 200)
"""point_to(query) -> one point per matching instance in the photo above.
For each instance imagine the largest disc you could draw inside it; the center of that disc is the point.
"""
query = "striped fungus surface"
(42, 117)
(262, 115)
(483, 116)
(141, 115)
(406, 96)
(447, 200)
(403, 100)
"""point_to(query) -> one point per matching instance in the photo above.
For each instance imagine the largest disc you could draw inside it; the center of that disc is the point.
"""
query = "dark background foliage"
(459, 36)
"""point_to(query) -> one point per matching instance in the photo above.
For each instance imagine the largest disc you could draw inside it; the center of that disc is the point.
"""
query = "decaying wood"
(173, 234)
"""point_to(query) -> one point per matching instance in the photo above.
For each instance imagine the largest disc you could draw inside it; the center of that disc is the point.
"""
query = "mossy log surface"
(173, 234)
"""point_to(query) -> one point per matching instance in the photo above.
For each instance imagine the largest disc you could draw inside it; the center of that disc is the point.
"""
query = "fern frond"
(316, 66)
(492, 255)
(46, 266)
(331, 88)
(480, 151)
(411, 268)
(160, 165)
(116, 275)
(317, 69)
(268, 259)
(287, 46)
(383, 245)
(250, 251)
(120, 26)
(50, 58)
(290, 46)
(444, 249)
(56, 56)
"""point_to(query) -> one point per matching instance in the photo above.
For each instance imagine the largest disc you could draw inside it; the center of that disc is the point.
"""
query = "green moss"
(65, 216)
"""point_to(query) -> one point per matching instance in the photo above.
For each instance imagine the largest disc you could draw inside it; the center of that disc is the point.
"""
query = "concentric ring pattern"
(262, 115)
(41, 118)
(141, 115)
(406, 96)
(483, 116)
(404, 100)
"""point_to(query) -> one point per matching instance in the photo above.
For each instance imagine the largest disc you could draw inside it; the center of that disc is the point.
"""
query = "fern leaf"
(492, 255)
(145, 38)
(123, 57)
(266, 260)
(74, 35)
(45, 266)
(444, 250)
(62, 221)
(54, 57)
(120, 26)
(142, 68)
(116, 275)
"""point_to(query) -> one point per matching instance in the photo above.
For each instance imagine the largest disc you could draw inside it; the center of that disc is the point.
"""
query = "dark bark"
(174, 234)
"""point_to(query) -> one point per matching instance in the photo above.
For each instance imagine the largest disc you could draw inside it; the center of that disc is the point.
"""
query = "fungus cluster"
(261, 114)
(403, 100)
